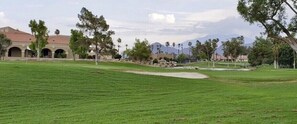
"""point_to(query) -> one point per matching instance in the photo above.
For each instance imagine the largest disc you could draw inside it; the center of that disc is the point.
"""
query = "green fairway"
(231, 65)
(80, 92)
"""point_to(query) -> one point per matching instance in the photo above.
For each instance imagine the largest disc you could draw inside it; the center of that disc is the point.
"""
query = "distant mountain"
(222, 38)
(163, 48)
(186, 50)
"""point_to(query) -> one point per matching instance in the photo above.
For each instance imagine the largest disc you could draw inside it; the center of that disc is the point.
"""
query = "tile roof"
(16, 35)
(20, 36)
(59, 39)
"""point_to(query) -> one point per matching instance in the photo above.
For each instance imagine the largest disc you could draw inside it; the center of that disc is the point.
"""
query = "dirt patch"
(187, 75)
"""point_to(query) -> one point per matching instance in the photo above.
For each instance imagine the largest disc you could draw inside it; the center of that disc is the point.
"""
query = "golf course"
(82, 92)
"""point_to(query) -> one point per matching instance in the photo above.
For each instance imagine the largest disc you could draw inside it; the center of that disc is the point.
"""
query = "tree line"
(93, 34)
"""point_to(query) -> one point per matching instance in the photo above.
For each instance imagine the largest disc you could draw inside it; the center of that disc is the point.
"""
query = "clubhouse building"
(57, 47)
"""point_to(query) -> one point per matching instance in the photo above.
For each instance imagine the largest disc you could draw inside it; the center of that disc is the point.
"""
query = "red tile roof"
(16, 35)
(20, 36)
(59, 39)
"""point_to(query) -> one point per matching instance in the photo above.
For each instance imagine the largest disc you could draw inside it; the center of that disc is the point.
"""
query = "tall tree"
(275, 50)
(4, 44)
(206, 50)
(119, 42)
(97, 30)
(40, 32)
(167, 45)
(233, 48)
(78, 44)
(178, 45)
(286, 56)
(273, 16)
(141, 50)
(210, 47)
(198, 51)
(190, 47)
(261, 52)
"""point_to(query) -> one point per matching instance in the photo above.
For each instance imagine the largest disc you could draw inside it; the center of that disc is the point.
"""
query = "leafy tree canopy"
(79, 44)
(273, 16)
(97, 31)
(234, 47)
(4, 44)
(206, 50)
(40, 32)
(141, 50)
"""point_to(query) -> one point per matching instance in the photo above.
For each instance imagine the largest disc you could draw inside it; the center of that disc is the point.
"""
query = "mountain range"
(186, 49)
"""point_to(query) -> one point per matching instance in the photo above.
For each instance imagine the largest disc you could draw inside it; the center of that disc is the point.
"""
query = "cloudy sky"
(156, 20)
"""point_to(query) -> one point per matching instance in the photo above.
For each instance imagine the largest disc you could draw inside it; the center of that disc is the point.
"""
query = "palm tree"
(190, 45)
(182, 47)
(159, 48)
(173, 44)
(167, 45)
(125, 53)
(57, 32)
(178, 48)
(197, 42)
(119, 42)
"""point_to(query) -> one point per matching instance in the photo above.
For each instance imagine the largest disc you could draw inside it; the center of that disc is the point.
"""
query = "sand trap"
(188, 75)
(213, 69)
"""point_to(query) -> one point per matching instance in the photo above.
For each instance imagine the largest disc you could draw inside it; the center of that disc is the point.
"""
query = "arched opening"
(46, 53)
(14, 52)
(60, 53)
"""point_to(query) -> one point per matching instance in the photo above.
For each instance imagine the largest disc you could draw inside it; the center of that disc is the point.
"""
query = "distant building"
(240, 58)
(57, 47)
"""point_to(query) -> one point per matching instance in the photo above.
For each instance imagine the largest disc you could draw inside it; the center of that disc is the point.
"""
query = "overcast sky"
(156, 20)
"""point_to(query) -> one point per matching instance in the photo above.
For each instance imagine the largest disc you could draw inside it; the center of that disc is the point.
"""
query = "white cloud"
(162, 18)
(215, 15)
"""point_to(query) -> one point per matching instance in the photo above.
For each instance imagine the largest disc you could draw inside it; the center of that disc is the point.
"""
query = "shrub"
(155, 61)
(118, 56)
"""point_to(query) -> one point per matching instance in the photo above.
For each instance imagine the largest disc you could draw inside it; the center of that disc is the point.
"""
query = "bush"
(60, 55)
(118, 56)
(155, 61)
(181, 58)
(167, 59)
(83, 56)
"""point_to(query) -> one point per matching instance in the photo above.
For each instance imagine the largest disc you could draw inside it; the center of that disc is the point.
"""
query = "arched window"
(60, 53)
(14, 52)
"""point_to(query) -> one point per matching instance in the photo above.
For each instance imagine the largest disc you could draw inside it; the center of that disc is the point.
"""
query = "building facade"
(57, 47)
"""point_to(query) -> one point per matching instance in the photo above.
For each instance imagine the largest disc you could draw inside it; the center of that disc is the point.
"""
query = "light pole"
(190, 45)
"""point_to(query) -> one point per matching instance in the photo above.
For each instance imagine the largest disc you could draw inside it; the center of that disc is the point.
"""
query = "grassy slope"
(230, 65)
(80, 92)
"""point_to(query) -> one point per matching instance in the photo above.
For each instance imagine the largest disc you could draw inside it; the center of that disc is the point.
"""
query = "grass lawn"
(69, 92)
(230, 65)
